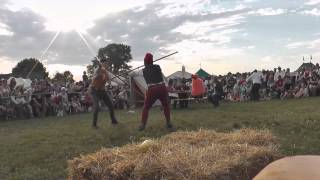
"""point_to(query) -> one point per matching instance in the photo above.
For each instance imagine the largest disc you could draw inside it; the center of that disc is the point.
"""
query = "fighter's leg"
(163, 97)
(107, 100)
(148, 102)
(95, 107)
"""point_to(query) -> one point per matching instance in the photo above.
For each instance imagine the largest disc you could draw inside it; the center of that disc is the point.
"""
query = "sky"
(219, 36)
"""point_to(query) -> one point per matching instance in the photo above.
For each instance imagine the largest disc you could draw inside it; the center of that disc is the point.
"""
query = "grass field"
(39, 148)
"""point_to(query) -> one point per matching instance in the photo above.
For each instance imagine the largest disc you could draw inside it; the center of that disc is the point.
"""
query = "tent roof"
(202, 73)
(179, 74)
(309, 65)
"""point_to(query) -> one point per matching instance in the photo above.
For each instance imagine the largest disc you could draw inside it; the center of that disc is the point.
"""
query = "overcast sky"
(221, 35)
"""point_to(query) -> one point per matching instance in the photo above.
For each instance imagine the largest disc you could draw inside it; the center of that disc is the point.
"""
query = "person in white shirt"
(123, 97)
(279, 73)
(256, 78)
(65, 101)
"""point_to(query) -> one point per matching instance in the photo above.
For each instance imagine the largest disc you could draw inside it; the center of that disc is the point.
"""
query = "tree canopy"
(25, 66)
(63, 77)
(117, 57)
(90, 67)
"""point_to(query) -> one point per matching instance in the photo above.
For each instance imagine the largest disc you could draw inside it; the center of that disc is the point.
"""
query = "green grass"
(40, 148)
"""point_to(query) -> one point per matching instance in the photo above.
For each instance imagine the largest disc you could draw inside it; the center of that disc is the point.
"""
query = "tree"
(117, 56)
(63, 77)
(24, 67)
(59, 77)
(68, 76)
(90, 67)
(90, 71)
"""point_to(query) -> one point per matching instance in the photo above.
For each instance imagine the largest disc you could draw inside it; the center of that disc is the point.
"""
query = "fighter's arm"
(96, 73)
(108, 77)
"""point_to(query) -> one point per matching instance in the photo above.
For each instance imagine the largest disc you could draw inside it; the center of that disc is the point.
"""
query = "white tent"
(20, 82)
(180, 74)
(117, 79)
(138, 82)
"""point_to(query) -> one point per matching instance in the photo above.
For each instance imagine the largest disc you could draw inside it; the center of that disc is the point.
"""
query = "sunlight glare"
(68, 25)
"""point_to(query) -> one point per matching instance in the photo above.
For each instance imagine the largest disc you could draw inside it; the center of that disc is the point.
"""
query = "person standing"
(197, 90)
(156, 91)
(98, 92)
(216, 93)
(85, 79)
(184, 95)
(123, 98)
(279, 73)
(256, 78)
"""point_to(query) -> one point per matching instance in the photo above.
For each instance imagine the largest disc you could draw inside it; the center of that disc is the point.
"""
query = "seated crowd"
(50, 98)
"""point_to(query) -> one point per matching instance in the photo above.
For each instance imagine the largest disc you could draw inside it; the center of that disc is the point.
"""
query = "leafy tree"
(32, 66)
(90, 70)
(91, 67)
(59, 77)
(68, 76)
(63, 77)
(117, 56)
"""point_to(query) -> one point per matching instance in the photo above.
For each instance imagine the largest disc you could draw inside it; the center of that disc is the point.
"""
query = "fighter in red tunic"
(156, 91)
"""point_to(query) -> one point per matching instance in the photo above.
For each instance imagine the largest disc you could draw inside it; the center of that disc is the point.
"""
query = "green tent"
(203, 74)
(306, 66)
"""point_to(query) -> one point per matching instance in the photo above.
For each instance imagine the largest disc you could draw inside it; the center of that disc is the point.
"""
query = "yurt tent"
(180, 74)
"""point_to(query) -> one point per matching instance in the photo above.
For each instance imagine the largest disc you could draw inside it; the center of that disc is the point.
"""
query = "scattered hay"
(182, 155)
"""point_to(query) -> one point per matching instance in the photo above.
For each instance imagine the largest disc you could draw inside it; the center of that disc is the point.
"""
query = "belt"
(156, 84)
(94, 89)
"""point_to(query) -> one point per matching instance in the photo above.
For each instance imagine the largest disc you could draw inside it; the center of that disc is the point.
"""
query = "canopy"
(202, 73)
(180, 74)
(306, 66)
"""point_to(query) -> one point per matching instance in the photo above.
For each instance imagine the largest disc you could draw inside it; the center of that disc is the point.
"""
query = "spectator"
(173, 93)
(197, 87)
(313, 84)
(183, 95)
(123, 98)
(65, 101)
(279, 73)
(279, 86)
(217, 94)
(75, 105)
(302, 91)
(256, 78)
(85, 79)
(21, 101)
